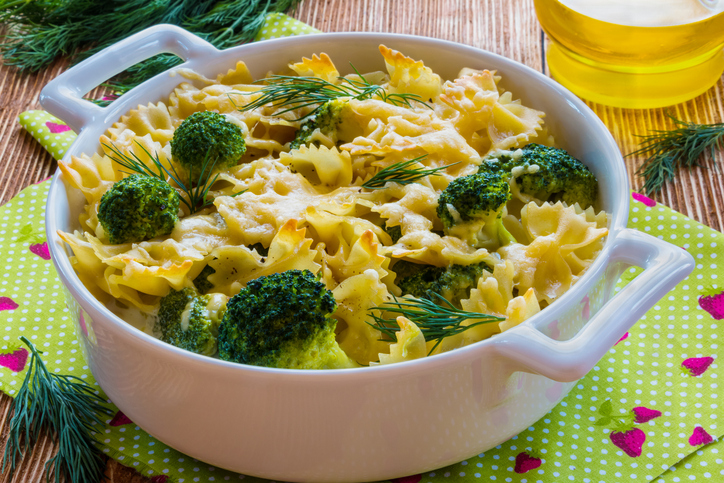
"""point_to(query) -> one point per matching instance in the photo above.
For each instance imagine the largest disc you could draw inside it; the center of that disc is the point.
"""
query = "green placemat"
(660, 380)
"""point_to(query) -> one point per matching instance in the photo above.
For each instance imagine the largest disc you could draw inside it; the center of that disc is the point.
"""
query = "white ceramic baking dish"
(370, 423)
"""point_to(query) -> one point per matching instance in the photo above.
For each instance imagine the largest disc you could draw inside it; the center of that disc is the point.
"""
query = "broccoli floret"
(207, 137)
(326, 119)
(453, 282)
(282, 320)
(471, 208)
(190, 321)
(201, 282)
(545, 172)
(138, 208)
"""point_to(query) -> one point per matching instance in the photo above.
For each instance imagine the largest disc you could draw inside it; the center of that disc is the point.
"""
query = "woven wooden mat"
(507, 28)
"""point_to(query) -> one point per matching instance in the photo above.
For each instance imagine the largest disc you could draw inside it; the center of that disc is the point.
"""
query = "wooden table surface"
(506, 27)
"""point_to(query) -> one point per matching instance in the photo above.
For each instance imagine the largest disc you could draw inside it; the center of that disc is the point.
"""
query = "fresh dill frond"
(678, 148)
(402, 173)
(436, 318)
(196, 192)
(294, 92)
(40, 31)
(66, 406)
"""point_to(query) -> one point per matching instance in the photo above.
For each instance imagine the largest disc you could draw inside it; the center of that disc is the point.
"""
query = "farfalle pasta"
(300, 198)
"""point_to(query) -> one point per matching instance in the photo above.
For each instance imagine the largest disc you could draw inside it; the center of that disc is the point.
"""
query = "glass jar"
(634, 53)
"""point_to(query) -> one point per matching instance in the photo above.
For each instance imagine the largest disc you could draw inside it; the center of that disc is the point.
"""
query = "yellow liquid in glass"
(634, 53)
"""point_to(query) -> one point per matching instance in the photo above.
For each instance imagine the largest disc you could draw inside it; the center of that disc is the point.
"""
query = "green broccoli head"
(282, 320)
(138, 208)
(206, 138)
(473, 197)
(326, 119)
(190, 321)
(545, 172)
(471, 208)
(453, 282)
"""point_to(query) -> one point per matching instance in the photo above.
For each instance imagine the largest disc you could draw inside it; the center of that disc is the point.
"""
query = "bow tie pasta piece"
(141, 148)
(472, 97)
(335, 231)
(234, 266)
(355, 296)
(92, 176)
(432, 249)
(520, 309)
(87, 265)
(203, 233)
(393, 129)
(320, 165)
(320, 66)
(512, 124)
(122, 276)
(349, 261)
(152, 119)
(274, 197)
(237, 77)
(558, 255)
(410, 76)
(413, 209)
(410, 343)
(147, 253)
(494, 295)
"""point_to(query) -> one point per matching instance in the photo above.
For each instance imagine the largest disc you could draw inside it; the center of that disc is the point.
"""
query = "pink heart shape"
(56, 128)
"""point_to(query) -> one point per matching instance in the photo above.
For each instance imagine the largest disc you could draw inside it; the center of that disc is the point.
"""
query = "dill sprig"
(295, 92)
(39, 31)
(402, 173)
(66, 406)
(436, 319)
(674, 149)
(195, 192)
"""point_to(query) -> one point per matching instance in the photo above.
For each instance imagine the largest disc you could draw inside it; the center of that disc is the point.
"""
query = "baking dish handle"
(664, 265)
(63, 96)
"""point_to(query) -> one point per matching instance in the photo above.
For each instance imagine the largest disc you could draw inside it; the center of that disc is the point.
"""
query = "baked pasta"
(398, 193)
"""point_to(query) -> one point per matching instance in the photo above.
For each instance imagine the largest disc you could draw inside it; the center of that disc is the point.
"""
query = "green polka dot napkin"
(278, 25)
(647, 412)
(52, 133)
